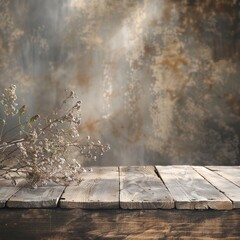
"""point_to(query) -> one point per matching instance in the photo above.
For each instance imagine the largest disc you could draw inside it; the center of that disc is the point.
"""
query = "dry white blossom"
(41, 150)
(8, 101)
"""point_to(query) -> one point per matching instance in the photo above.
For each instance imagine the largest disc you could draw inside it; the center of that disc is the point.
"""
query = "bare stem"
(11, 143)
(2, 127)
(11, 129)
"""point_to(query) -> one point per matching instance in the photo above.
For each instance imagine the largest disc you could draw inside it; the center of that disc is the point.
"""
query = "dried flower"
(34, 118)
(42, 149)
(8, 101)
(22, 110)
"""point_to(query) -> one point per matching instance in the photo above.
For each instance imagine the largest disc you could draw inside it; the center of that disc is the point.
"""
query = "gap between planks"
(41, 197)
(136, 187)
(141, 188)
(99, 189)
(7, 189)
(231, 173)
(221, 183)
(190, 190)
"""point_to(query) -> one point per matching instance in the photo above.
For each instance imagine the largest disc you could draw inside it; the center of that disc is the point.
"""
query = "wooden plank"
(232, 173)
(141, 188)
(224, 167)
(6, 193)
(41, 197)
(7, 189)
(192, 191)
(62, 224)
(99, 189)
(222, 184)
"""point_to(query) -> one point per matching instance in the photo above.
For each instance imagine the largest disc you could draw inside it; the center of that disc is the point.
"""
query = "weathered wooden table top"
(135, 187)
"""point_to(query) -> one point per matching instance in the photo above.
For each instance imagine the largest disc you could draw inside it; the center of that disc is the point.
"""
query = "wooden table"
(137, 202)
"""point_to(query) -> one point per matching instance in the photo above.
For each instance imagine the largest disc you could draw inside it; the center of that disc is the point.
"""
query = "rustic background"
(159, 79)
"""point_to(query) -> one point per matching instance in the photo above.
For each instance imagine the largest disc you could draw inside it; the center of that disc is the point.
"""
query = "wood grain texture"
(232, 173)
(99, 189)
(41, 197)
(222, 184)
(64, 224)
(7, 189)
(190, 190)
(140, 188)
(6, 193)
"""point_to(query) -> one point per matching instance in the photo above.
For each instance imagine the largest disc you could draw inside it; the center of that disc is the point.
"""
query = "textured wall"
(159, 79)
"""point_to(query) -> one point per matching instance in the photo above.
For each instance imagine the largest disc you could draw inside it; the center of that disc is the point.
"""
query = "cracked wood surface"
(41, 197)
(99, 189)
(7, 189)
(231, 173)
(190, 190)
(134, 187)
(141, 188)
(222, 184)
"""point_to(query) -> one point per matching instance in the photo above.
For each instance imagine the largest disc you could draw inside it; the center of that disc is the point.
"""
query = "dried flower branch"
(40, 149)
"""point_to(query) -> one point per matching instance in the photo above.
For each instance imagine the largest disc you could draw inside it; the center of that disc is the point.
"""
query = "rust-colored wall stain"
(84, 81)
(233, 102)
(175, 63)
(159, 79)
(149, 49)
(90, 126)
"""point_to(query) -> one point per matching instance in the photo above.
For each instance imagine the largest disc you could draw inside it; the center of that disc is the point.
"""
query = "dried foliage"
(164, 75)
(41, 149)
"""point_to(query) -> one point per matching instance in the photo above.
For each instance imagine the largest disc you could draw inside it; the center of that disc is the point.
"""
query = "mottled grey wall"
(159, 79)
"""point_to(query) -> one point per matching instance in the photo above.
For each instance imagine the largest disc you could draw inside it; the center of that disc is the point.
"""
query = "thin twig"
(11, 129)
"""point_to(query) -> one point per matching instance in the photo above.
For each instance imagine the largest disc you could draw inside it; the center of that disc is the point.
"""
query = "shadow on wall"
(158, 79)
